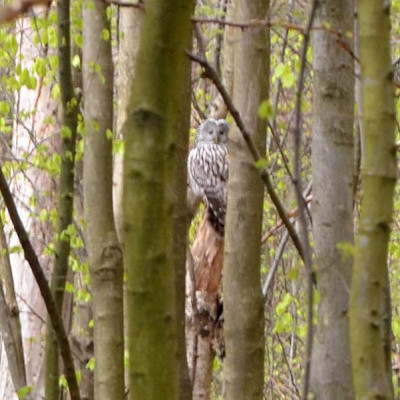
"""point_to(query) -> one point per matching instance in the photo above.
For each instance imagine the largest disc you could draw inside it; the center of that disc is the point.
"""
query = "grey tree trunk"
(243, 301)
(105, 253)
(9, 315)
(332, 208)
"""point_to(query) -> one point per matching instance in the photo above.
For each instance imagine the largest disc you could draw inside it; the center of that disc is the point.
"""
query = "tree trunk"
(154, 116)
(369, 359)
(9, 315)
(130, 23)
(243, 301)
(205, 272)
(180, 228)
(105, 254)
(66, 193)
(332, 208)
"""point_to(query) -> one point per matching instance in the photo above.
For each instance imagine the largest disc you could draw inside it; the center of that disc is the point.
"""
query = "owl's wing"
(208, 176)
(216, 191)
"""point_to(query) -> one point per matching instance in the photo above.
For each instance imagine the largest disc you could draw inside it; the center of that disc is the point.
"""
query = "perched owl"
(208, 169)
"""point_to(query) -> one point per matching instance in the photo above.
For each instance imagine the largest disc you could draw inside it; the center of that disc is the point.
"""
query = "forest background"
(111, 279)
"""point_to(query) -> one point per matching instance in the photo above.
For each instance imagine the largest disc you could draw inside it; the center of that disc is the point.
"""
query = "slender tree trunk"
(180, 228)
(243, 301)
(205, 271)
(369, 358)
(154, 119)
(9, 315)
(130, 23)
(66, 190)
(332, 157)
(105, 253)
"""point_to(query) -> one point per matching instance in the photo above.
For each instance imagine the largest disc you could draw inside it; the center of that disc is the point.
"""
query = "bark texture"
(66, 193)
(203, 328)
(180, 228)
(105, 253)
(243, 302)
(332, 208)
(130, 23)
(369, 359)
(154, 120)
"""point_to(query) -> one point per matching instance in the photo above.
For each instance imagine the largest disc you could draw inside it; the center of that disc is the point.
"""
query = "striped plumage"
(208, 169)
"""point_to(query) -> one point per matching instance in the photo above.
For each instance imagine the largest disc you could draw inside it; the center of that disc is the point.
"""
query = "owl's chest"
(214, 159)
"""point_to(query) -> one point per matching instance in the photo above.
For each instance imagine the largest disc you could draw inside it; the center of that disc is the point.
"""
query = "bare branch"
(44, 288)
(301, 203)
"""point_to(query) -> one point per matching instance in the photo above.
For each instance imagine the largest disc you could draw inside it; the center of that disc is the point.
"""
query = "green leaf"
(76, 61)
(105, 34)
(91, 364)
(261, 164)
(40, 67)
(69, 287)
(4, 107)
(24, 392)
(265, 110)
(66, 132)
(63, 382)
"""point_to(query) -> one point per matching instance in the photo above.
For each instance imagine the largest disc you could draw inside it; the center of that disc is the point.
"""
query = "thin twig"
(291, 214)
(275, 136)
(281, 248)
(275, 264)
(212, 74)
(300, 200)
(293, 381)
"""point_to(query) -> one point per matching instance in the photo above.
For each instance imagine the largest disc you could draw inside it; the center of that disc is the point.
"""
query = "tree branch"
(44, 288)
(301, 203)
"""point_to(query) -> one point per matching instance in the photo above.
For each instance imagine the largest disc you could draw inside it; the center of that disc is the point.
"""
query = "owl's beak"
(216, 140)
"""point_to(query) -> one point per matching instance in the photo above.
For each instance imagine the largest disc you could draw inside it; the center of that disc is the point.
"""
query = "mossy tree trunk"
(180, 227)
(66, 192)
(367, 332)
(105, 253)
(156, 107)
(332, 208)
(243, 301)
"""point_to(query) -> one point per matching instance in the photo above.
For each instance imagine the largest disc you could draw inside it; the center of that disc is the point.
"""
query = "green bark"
(369, 361)
(180, 228)
(66, 190)
(243, 302)
(154, 116)
(332, 208)
(104, 250)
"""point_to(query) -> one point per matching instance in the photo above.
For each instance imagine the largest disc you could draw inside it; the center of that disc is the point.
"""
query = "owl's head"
(213, 131)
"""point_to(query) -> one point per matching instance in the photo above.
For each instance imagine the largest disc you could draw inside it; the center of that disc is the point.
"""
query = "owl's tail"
(216, 217)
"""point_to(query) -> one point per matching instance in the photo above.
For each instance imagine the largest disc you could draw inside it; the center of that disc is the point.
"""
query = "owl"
(208, 169)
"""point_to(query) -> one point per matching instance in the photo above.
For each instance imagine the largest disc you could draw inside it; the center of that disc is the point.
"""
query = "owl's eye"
(211, 132)
(221, 132)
